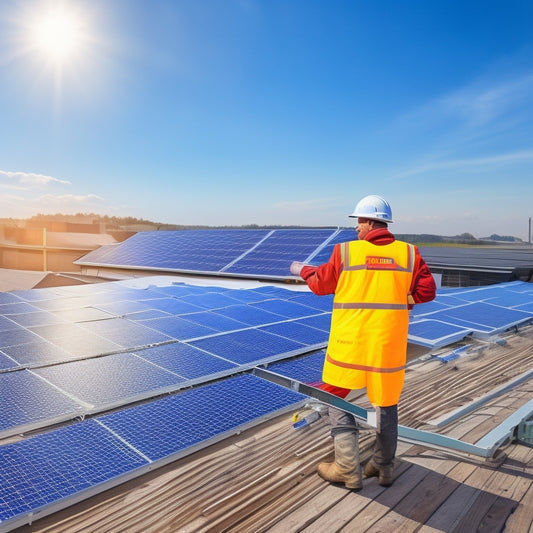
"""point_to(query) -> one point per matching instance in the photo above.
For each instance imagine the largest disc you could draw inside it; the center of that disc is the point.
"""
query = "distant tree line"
(140, 224)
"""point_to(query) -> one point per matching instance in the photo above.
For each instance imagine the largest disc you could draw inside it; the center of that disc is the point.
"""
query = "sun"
(57, 35)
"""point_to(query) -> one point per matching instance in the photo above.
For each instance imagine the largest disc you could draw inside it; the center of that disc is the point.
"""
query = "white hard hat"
(373, 207)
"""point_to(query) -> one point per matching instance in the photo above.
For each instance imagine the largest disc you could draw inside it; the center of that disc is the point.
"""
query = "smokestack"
(529, 230)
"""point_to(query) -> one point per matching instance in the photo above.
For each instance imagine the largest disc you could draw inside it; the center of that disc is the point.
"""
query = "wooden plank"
(448, 515)
(426, 497)
(471, 520)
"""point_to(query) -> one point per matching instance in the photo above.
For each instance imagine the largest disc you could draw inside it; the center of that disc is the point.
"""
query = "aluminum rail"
(486, 448)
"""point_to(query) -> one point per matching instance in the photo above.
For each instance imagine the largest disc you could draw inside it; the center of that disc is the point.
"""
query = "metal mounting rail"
(414, 436)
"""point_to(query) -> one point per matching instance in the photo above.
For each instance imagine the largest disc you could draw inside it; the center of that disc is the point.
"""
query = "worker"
(375, 281)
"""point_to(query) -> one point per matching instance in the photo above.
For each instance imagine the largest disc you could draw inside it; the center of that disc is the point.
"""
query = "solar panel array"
(68, 352)
(87, 349)
(51, 470)
(256, 253)
(481, 312)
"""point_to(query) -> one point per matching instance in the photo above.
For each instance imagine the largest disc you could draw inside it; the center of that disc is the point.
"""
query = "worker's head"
(371, 212)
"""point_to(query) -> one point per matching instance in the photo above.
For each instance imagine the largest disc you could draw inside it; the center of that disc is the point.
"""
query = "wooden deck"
(265, 480)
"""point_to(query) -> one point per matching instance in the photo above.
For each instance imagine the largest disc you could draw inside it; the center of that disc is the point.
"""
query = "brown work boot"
(346, 467)
(385, 474)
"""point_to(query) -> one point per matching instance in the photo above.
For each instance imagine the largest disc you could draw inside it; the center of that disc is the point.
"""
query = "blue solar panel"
(248, 346)
(39, 318)
(173, 306)
(178, 328)
(27, 402)
(37, 353)
(186, 361)
(17, 308)
(434, 333)
(322, 322)
(247, 314)
(8, 298)
(298, 332)
(115, 379)
(20, 335)
(125, 333)
(323, 254)
(322, 303)
(215, 321)
(306, 369)
(482, 317)
(201, 250)
(286, 309)
(51, 467)
(273, 256)
(6, 363)
(210, 300)
(161, 428)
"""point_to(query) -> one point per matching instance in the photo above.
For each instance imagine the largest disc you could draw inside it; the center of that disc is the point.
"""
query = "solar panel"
(323, 254)
(287, 309)
(273, 256)
(306, 369)
(104, 382)
(178, 328)
(199, 250)
(51, 468)
(6, 363)
(27, 402)
(483, 318)
(248, 346)
(187, 361)
(37, 353)
(249, 315)
(125, 333)
(298, 332)
(434, 333)
(162, 428)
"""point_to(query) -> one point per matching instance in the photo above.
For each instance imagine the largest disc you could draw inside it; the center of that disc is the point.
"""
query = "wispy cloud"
(27, 180)
(511, 157)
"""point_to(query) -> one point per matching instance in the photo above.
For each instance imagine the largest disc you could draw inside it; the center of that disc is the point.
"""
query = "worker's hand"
(296, 268)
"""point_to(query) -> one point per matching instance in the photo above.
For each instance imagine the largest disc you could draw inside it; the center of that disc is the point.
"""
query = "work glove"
(296, 268)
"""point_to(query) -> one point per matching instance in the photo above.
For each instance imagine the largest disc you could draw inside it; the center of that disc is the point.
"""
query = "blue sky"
(223, 112)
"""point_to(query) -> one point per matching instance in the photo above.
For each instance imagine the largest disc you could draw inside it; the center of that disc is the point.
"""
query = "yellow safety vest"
(368, 338)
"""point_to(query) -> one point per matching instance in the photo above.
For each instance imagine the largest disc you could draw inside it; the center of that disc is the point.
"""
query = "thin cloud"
(512, 157)
(28, 180)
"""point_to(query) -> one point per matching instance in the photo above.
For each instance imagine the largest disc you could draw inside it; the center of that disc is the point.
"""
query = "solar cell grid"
(249, 315)
(186, 361)
(54, 466)
(286, 309)
(324, 253)
(178, 328)
(162, 428)
(298, 332)
(9, 298)
(215, 321)
(37, 353)
(305, 369)
(434, 333)
(27, 402)
(6, 363)
(125, 333)
(112, 380)
(210, 300)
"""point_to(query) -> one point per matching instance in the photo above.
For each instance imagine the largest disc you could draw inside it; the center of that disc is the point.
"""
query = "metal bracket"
(487, 447)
